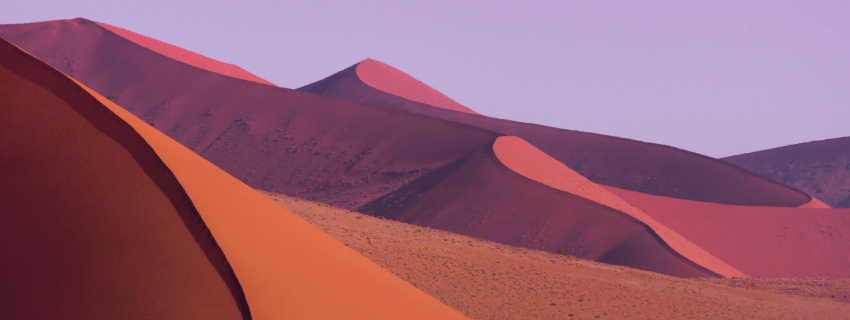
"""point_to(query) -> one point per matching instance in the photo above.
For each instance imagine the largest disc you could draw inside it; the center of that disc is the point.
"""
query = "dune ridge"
(266, 246)
(388, 79)
(606, 160)
(244, 129)
(815, 204)
(315, 147)
(95, 225)
(525, 159)
(760, 241)
(478, 196)
(183, 55)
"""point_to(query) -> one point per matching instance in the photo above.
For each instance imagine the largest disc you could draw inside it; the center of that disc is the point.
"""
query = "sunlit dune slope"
(183, 55)
(389, 82)
(612, 161)
(490, 281)
(815, 204)
(93, 224)
(821, 168)
(316, 147)
(125, 241)
(759, 241)
(525, 159)
(479, 196)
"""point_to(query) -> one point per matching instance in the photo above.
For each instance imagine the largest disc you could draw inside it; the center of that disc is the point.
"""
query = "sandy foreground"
(486, 280)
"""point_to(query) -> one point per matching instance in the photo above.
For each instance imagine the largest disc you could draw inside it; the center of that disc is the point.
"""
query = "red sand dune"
(315, 147)
(185, 56)
(385, 78)
(525, 159)
(106, 217)
(94, 225)
(815, 204)
(258, 134)
(479, 196)
(759, 241)
(618, 162)
(821, 168)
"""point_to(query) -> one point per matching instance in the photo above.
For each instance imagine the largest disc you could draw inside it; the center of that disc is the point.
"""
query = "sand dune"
(479, 196)
(815, 204)
(759, 241)
(249, 130)
(311, 146)
(821, 168)
(525, 159)
(94, 225)
(109, 218)
(183, 55)
(389, 82)
(618, 162)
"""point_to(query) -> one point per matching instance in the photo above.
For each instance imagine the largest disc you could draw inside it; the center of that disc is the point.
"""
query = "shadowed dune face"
(315, 147)
(820, 168)
(479, 196)
(385, 78)
(185, 56)
(622, 163)
(528, 161)
(102, 241)
(250, 131)
(759, 241)
(88, 232)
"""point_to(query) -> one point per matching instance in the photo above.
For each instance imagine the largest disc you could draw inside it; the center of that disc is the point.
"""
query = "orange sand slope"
(394, 81)
(185, 56)
(108, 218)
(525, 159)
(759, 241)
(90, 228)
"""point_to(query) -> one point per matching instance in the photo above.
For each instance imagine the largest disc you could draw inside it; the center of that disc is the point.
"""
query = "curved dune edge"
(385, 78)
(185, 56)
(528, 161)
(815, 204)
(777, 242)
(91, 216)
(287, 269)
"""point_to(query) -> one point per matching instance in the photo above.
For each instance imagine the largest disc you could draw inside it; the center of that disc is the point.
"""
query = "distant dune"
(183, 55)
(106, 217)
(358, 147)
(618, 162)
(758, 241)
(479, 196)
(311, 146)
(525, 159)
(389, 82)
(821, 168)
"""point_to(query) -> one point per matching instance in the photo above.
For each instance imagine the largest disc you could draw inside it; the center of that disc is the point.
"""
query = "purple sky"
(714, 77)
